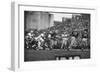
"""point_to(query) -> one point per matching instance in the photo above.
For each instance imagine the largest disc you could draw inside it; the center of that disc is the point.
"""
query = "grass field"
(41, 55)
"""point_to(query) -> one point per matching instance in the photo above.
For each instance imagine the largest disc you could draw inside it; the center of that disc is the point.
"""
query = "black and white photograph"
(56, 36)
(53, 37)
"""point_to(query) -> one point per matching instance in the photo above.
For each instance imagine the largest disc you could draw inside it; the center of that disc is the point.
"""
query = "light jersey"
(30, 35)
(73, 41)
(73, 38)
(49, 36)
(39, 38)
(64, 37)
(84, 39)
